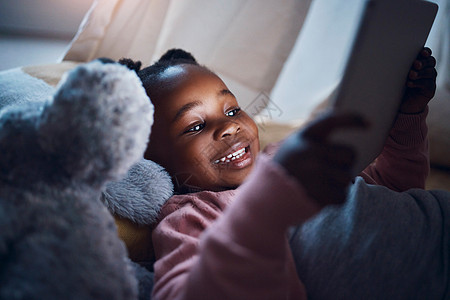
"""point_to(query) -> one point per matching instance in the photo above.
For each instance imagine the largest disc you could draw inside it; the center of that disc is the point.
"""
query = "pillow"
(49, 73)
(32, 85)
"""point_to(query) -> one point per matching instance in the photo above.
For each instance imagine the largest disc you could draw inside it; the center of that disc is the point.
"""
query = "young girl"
(210, 147)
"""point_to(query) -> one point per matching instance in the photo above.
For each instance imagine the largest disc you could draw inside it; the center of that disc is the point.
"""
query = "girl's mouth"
(232, 156)
(238, 159)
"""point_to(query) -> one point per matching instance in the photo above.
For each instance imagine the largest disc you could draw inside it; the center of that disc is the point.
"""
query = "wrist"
(412, 110)
(410, 129)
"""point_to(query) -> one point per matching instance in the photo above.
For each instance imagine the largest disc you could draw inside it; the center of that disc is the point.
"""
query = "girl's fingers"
(425, 52)
(340, 156)
(321, 129)
(424, 85)
(332, 189)
(428, 73)
(424, 62)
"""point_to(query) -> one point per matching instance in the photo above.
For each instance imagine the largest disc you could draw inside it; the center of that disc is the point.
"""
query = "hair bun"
(131, 64)
(177, 54)
(106, 60)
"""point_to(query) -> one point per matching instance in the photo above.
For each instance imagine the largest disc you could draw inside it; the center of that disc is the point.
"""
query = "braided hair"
(150, 75)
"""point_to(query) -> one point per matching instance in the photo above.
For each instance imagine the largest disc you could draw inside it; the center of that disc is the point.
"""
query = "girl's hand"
(421, 83)
(322, 167)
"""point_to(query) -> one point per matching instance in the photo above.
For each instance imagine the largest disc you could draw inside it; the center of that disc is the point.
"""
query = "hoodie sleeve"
(245, 253)
(404, 161)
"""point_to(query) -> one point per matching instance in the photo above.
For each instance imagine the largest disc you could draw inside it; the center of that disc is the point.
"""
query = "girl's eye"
(196, 128)
(233, 112)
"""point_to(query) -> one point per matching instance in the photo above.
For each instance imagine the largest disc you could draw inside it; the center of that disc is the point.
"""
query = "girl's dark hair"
(177, 56)
(150, 75)
(130, 64)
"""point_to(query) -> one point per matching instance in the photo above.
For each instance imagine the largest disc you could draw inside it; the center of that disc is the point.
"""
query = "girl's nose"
(227, 128)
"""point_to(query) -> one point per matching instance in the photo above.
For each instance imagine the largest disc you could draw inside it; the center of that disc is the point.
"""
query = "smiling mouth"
(232, 156)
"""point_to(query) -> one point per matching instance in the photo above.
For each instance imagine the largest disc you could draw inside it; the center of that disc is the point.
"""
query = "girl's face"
(200, 134)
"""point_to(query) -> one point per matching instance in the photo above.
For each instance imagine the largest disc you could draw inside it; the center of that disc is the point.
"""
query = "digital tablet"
(391, 34)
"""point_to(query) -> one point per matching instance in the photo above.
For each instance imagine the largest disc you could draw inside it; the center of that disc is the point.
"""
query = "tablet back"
(390, 36)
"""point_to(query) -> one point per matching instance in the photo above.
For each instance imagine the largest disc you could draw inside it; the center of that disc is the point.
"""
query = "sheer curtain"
(245, 42)
(315, 64)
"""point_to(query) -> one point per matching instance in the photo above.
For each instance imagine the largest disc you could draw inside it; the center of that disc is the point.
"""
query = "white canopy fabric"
(245, 42)
(315, 65)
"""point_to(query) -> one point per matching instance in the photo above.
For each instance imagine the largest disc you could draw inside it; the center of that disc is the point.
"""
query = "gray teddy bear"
(57, 238)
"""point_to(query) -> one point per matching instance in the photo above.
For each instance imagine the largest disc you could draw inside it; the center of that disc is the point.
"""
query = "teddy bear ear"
(99, 121)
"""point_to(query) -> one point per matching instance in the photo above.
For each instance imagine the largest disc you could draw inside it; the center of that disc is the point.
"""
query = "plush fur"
(18, 89)
(133, 198)
(57, 238)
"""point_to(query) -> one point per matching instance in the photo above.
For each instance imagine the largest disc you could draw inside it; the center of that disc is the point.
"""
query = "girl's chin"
(235, 178)
(226, 181)
(220, 177)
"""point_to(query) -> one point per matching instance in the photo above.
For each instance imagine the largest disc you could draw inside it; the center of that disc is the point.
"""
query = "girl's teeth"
(231, 156)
